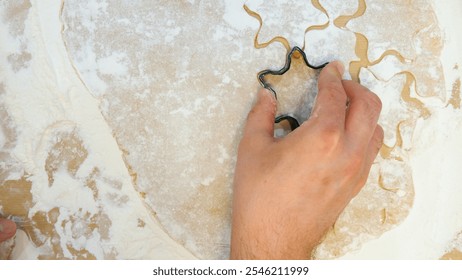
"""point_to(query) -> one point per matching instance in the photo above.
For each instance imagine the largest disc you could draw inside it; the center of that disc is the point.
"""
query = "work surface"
(120, 121)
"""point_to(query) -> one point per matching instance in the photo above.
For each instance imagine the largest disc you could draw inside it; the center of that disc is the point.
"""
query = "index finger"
(331, 101)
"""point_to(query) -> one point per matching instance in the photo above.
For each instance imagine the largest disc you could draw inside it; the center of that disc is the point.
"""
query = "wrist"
(268, 244)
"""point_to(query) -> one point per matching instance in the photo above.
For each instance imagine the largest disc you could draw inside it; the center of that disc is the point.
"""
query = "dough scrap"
(392, 25)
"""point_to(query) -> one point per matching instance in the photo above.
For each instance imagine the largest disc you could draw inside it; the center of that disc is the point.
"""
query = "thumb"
(260, 121)
(7, 229)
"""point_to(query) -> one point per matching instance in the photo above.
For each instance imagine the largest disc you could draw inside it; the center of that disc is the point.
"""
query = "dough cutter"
(293, 122)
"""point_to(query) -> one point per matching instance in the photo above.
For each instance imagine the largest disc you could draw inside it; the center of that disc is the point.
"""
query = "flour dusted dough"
(176, 80)
(393, 25)
(426, 68)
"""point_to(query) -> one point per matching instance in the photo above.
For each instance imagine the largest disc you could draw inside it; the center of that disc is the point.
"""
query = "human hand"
(288, 192)
(7, 229)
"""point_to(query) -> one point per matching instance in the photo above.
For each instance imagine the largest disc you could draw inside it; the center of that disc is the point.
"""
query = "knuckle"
(334, 89)
(377, 138)
(379, 134)
(375, 104)
(370, 108)
(363, 104)
(329, 137)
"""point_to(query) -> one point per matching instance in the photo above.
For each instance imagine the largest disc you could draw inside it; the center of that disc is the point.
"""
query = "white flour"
(48, 97)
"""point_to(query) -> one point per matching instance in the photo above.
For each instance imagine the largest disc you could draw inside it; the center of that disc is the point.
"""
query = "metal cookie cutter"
(261, 77)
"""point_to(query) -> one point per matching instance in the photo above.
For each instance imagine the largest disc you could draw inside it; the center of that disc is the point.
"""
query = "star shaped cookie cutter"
(293, 122)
